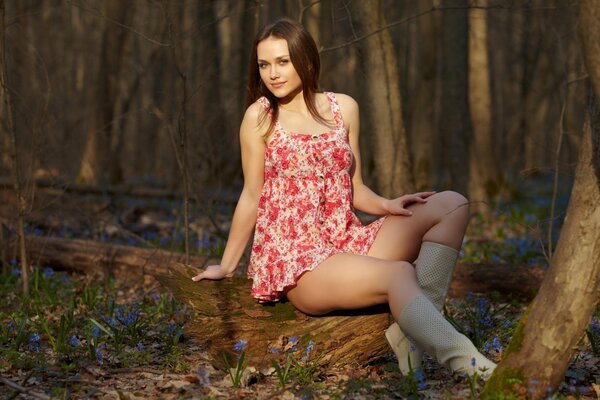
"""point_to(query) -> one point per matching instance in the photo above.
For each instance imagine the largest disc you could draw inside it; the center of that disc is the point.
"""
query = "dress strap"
(264, 102)
(335, 110)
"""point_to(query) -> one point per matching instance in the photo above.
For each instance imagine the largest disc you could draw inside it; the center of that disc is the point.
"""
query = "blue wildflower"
(95, 331)
(171, 328)
(14, 262)
(34, 342)
(274, 350)
(99, 355)
(11, 326)
(240, 345)
(47, 272)
(164, 241)
(309, 347)
(140, 346)
(473, 362)
(496, 344)
(16, 272)
(110, 321)
(74, 341)
(420, 379)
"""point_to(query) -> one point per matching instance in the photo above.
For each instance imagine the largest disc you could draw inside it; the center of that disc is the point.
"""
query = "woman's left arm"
(364, 198)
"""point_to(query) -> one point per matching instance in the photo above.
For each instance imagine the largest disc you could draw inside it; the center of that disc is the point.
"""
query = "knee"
(403, 273)
(454, 202)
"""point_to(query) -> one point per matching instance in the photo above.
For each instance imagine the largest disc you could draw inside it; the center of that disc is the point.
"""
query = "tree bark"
(422, 124)
(454, 123)
(97, 166)
(384, 105)
(547, 335)
(9, 130)
(481, 156)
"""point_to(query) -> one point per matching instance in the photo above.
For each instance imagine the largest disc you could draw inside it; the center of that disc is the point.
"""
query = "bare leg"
(347, 281)
(443, 219)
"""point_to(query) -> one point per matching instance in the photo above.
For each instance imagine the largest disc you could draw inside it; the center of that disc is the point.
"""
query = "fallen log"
(227, 313)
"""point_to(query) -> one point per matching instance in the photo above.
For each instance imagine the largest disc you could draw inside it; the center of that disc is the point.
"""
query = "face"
(276, 69)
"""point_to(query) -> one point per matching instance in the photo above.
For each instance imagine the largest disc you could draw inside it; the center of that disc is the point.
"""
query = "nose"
(274, 73)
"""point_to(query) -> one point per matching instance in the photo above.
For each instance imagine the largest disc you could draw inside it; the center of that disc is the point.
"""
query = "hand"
(214, 272)
(398, 205)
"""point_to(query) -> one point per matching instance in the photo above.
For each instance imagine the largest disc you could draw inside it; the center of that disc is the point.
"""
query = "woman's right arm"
(244, 218)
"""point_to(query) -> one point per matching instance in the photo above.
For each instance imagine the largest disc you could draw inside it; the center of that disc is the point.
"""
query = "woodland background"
(462, 94)
(127, 110)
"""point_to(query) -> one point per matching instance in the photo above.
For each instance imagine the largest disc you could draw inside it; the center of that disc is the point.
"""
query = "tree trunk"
(454, 123)
(481, 160)
(97, 165)
(548, 334)
(384, 107)
(9, 129)
(422, 124)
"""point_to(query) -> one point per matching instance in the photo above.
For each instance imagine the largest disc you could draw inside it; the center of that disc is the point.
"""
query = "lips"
(277, 85)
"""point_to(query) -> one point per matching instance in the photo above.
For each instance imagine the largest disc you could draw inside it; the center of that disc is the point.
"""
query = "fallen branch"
(227, 313)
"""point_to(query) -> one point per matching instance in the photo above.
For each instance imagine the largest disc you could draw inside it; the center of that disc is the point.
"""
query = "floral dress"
(305, 212)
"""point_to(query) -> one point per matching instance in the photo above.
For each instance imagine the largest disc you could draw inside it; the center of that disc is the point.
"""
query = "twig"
(407, 19)
(135, 369)
(19, 388)
(113, 21)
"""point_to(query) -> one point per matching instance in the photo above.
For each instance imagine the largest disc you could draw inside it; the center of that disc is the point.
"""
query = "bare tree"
(391, 154)
(454, 122)
(548, 333)
(97, 163)
(481, 157)
(8, 129)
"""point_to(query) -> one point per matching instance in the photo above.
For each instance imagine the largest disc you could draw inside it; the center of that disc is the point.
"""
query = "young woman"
(302, 182)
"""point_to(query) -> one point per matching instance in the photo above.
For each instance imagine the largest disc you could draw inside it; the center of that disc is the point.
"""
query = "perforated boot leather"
(434, 268)
(430, 331)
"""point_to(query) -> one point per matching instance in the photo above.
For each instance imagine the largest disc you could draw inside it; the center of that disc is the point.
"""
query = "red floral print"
(305, 212)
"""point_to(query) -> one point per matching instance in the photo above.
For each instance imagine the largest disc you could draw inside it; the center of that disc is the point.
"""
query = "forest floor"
(73, 337)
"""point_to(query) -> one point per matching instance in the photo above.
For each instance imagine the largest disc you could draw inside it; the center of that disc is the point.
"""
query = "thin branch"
(418, 15)
(98, 13)
(21, 389)
(304, 8)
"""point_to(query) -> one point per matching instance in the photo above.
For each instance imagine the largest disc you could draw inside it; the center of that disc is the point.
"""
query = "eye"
(262, 65)
(283, 62)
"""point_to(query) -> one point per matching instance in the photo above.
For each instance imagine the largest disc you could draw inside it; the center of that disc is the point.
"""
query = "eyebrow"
(276, 58)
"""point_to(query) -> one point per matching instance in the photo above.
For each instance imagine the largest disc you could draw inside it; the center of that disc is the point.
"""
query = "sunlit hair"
(304, 57)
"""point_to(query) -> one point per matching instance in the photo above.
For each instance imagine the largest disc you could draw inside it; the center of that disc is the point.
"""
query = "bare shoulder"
(348, 107)
(255, 119)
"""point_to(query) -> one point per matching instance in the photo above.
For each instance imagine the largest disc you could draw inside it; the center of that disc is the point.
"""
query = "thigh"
(400, 237)
(349, 281)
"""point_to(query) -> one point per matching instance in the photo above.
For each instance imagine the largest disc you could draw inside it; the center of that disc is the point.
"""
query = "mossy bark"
(548, 336)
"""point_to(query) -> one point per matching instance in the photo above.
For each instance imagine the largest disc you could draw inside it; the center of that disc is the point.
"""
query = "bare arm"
(244, 217)
(364, 198)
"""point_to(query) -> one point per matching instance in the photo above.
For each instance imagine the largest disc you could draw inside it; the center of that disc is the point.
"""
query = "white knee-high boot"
(434, 268)
(425, 326)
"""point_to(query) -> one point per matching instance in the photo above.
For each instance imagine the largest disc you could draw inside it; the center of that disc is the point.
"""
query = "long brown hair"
(304, 57)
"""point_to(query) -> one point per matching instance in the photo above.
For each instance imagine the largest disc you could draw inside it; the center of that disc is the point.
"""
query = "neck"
(294, 103)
